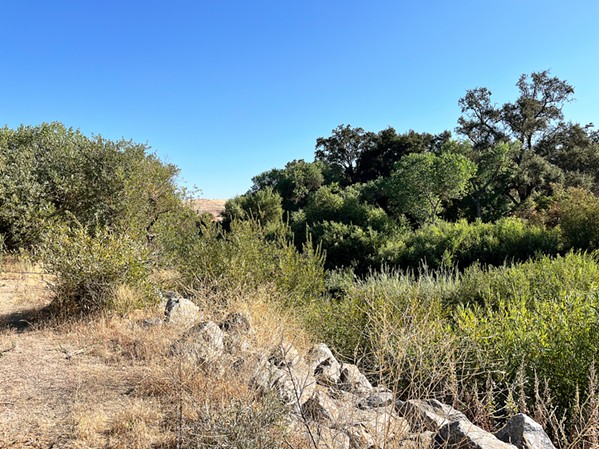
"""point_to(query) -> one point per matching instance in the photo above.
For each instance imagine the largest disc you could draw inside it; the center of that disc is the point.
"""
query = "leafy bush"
(486, 331)
(294, 183)
(90, 264)
(579, 219)
(349, 230)
(347, 245)
(540, 316)
(462, 244)
(51, 173)
(543, 279)
(394, 325)
(262, 205)
(247, 256)
(423, 183)
(332, 203)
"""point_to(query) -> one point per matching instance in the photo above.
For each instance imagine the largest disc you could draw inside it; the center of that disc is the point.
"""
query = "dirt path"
(52, 388)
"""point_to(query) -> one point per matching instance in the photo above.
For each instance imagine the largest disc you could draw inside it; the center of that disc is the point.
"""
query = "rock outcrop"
(334, 405)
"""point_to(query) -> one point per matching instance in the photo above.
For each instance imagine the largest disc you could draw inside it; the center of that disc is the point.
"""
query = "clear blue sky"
(228, 89)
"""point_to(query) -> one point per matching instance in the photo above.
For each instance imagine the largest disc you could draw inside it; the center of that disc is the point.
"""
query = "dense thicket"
(52, 174)
(461, 266)
(371, 197)
(106, 216)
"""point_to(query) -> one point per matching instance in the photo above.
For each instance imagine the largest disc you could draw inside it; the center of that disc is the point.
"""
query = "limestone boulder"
(286, 374)
(202, 343)
(319, 436)
(284, 355)
(238, 333)
(351, 379)
(297, 384)
(377, 397)
(365, 428)
(237, 323)
(325, 366)
(422, 440)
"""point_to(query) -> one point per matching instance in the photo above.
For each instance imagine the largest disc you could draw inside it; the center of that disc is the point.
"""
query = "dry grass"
(212, 207)
(111, 380)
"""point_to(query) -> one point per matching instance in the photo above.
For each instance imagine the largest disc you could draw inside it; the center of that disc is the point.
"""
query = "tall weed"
(247, 256)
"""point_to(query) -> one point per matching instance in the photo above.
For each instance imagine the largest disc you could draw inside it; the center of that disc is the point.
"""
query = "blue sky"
(228, 89)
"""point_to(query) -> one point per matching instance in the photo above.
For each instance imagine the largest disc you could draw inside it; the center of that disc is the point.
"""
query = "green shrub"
(262, 205)
(542, 279)
(249, 255)
(540, 316)
(579, 219)
(91, 264)
(393, 324)
(450, 334)
(347, 245)
(461, 244)
(51, 173)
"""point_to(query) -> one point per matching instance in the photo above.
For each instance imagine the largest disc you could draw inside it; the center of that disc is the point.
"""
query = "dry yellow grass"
(212, 207)
(112, 381)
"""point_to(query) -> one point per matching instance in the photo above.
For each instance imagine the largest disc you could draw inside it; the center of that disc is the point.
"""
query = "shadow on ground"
(24, 320)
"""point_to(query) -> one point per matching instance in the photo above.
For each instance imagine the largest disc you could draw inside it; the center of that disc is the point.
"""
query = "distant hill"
(213, 207)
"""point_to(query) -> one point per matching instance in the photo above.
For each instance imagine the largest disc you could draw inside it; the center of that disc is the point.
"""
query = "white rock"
(181, 312)
(525, 433)
(351, 379)
(429, 414)
(465, 435)
(325, 366)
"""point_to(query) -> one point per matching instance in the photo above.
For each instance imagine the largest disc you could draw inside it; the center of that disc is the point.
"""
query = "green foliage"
(91, 263)
(263, 205)
(537, 280)
(342, 150)
(533, 123)
(246, 257)
(540, 316)
(575, 150)
(347, 245)
(386, 148)
(422, 183)
(493, 165)
(437, 331)
(394, 324)
(579, 219)
(348, 229)
(461, 244)
(332, 203)
(52, 173)
(294, 183)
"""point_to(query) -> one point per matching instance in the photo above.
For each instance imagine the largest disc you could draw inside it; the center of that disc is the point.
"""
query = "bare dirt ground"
(58, 389)
(112, 380)
(213, 207)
